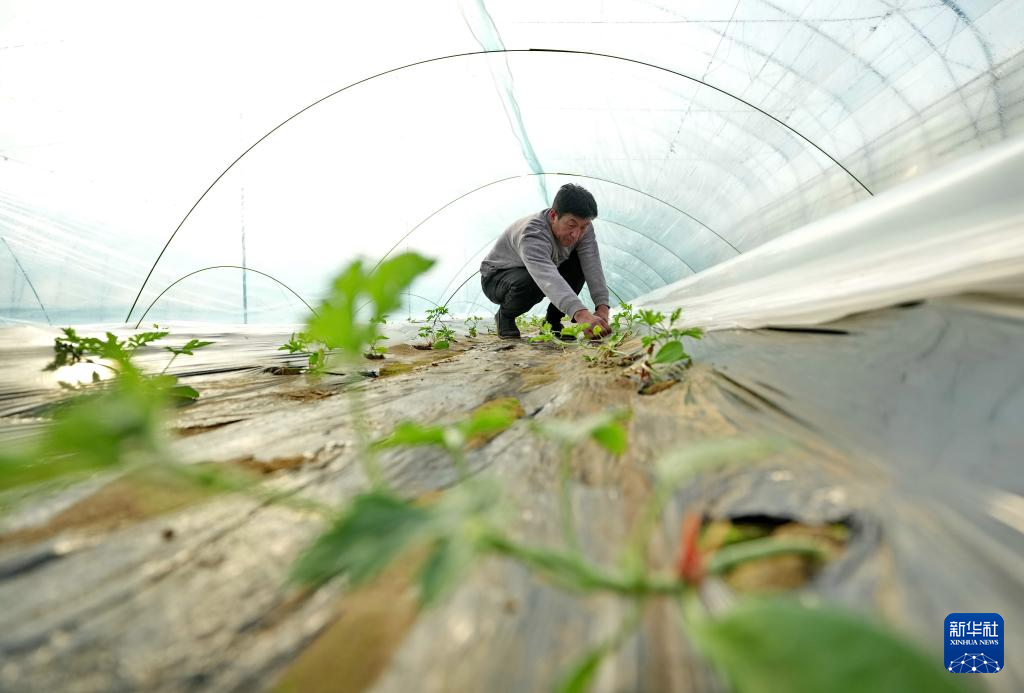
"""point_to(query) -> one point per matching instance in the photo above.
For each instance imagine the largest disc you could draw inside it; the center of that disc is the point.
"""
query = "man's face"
(567, 228)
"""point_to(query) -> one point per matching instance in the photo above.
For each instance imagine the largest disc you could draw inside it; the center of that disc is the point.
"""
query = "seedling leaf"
(364, 539)
(606, 428)
(612, 437)
(449, 560)
(139, 340)
(578, 680)
(189, 347)
(670, 353)
(491, 418)
(412, 434)
(386, 283)
(728, 557)
(183, 393)
(763, 647)
(679, 465)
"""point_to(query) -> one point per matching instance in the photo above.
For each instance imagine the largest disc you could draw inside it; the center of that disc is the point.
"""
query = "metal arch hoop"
(28, 280)
(212, 267)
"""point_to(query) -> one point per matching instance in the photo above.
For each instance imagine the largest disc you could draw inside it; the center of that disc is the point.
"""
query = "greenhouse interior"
(294, 396)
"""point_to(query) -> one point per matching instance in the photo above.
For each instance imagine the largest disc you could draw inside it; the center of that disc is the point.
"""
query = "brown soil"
(123, 501)
(510, 403)
(413, 356)
(187, 431)
(352, 652)
(310, 395)
(774, 573)
(655, 388)
(284, 370)
(274, 465)
(539, 376)
(395, 368)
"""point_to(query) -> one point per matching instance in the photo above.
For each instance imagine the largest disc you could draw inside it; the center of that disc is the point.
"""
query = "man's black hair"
(576, 200)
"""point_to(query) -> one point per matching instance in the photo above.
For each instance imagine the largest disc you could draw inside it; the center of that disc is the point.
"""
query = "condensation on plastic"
(706, 130)
(957, 230)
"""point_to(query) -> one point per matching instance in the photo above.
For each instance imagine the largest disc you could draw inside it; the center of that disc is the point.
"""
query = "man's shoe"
(506, 326)
(553, 317)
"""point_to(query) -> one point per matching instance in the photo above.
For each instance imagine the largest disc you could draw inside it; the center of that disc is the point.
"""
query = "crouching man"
(550, 253)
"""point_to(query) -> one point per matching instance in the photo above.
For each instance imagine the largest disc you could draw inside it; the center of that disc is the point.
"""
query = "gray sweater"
(530, 243)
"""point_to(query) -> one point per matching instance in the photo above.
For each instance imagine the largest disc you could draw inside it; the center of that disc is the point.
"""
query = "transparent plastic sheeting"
(704, 129)
(957, 230)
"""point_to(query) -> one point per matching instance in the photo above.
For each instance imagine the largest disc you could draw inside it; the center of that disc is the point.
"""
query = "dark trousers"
(515, 291)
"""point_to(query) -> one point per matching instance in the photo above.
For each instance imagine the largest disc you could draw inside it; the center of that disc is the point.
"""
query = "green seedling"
(472, 324)
(530, 322)
(298, 343)
(376, 350)
(437, 334)
(443, 337)
(663, 342)
(116, 355)
(545, 334)
(188, 349)
(622, 326)
(606, 349)
(487, 421)
(316, 353)
(625, 319)
(615, 340)
(575, 329)
(73, 348)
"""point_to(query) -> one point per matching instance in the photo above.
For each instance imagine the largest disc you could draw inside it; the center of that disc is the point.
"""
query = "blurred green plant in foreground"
(108, 424)
(757, 645)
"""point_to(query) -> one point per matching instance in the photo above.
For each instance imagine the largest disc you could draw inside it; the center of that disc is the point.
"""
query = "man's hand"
(584, 315)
